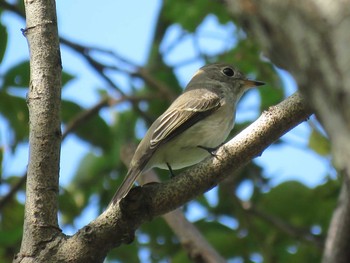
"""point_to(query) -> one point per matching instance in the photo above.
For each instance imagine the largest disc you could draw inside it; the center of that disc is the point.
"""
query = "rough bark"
(118, 223)
(192, 240)
(311, 39)
(40, 224)
(42, 239)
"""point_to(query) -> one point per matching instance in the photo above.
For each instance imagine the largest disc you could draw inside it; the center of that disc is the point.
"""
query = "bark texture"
(118, 223)
(311, 40)
(192, 240)
(42, 239)
(40, 224)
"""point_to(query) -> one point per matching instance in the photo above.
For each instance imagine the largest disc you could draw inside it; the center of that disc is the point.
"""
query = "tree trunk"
(311, 40)
(40, 223)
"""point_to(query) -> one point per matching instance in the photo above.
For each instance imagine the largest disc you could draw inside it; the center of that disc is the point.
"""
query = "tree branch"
(12, 8)
(99, 68)
(15, 187)
(191, 239)
(118, 223)
(161, 87)
(40, 223)
(88, 113)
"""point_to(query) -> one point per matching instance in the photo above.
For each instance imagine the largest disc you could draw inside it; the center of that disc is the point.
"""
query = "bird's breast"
(183, 150)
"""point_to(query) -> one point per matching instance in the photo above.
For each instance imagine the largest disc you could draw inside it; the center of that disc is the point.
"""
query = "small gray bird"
(194, 125)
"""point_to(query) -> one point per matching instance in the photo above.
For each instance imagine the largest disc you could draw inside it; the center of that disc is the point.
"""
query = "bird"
(194, 125)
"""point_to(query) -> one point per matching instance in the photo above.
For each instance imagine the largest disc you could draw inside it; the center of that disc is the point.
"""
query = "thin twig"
(12, 8)
(78, 120)
(15, 188)
(87, 114)
(159, 85)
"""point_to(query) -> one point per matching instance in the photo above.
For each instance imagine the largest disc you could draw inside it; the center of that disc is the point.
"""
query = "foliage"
(234, 230)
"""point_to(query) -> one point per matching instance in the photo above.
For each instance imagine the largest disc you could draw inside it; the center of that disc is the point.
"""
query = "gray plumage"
(203, 115)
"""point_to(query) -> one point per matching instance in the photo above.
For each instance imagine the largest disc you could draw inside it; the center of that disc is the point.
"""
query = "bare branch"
(14, 189)
(77, 121)
(117, 224)
(12, 8)
(191, 239)
(160, 86)
(131, 68)
(84, 116)
(249, 143)
(40, 223)
(87, 114)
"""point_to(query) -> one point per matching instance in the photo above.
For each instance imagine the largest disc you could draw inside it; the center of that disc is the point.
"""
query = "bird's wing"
(183, 114)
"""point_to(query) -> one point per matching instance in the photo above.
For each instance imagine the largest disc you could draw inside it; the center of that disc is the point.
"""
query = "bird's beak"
(252, 83)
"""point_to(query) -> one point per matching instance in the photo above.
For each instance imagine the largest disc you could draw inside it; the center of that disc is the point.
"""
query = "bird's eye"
(228, 72)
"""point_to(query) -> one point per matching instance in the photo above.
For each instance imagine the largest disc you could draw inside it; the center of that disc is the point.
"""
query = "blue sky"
(126, 27)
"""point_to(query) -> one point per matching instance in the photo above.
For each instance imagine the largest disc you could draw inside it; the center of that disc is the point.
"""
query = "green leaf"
(92, 129)
(3, 42)
(66, 77)
(270, 95)
(17, 76)
(1, 159)
(319, 143)
(90, 171)
(71, 204)
(189, 14)
(127, 254)
(292, 193)
(10, 237)
(14, 110)
(11, 224)
(292, 201)
(87, 181)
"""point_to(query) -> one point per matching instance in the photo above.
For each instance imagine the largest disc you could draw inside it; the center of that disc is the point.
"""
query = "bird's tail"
(126, 185)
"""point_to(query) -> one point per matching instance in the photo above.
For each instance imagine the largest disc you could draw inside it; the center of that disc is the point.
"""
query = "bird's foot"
(172, 175)
(211, 150)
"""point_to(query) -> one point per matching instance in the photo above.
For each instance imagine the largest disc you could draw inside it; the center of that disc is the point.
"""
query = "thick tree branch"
(191, 239)
(40, 224)
(118, 223)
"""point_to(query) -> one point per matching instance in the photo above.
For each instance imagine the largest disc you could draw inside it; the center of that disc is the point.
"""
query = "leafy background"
(122, 67)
